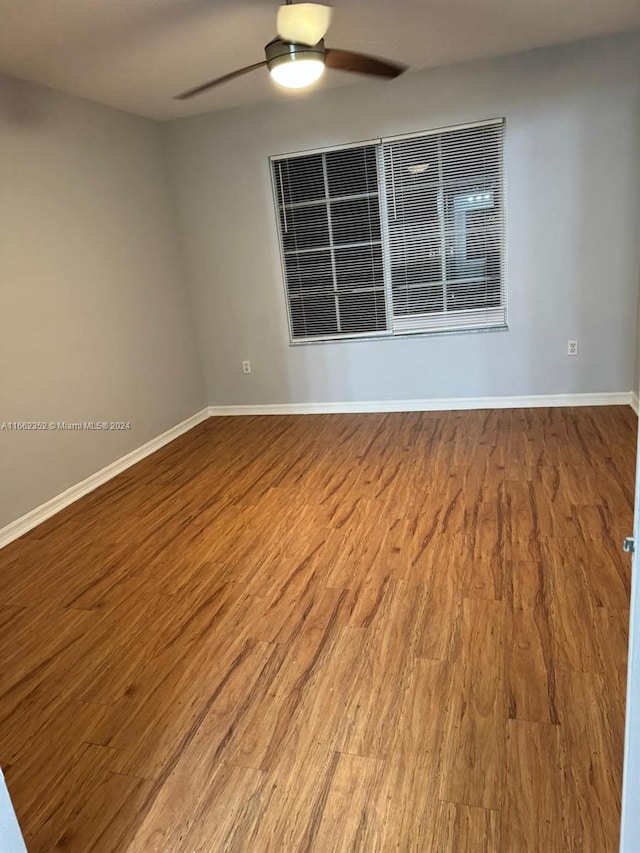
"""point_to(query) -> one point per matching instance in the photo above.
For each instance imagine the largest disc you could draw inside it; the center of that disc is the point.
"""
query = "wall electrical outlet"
(572, 347)
(246, 366)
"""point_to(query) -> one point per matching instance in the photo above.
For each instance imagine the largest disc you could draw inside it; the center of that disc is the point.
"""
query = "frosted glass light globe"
(297, 73)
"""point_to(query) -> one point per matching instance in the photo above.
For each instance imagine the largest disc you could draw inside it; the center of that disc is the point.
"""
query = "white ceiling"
(137, 54)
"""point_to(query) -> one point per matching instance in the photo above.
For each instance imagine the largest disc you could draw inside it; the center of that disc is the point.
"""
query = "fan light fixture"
(295, 66)
(297, 57)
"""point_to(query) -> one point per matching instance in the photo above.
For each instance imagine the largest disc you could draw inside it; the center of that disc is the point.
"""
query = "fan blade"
(203, 88)
(360, 63)
(303, 23)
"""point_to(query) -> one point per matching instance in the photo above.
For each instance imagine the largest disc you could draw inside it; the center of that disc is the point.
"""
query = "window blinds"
(329, 218)
(444, 202)
(394, 237)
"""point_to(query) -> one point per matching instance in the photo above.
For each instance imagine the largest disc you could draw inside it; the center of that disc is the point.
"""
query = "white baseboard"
(41, 513)
(621, 398)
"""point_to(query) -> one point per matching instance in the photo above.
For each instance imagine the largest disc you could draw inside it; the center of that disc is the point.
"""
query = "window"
(395, 236)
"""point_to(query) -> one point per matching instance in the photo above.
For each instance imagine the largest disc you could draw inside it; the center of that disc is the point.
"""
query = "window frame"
(502, 311)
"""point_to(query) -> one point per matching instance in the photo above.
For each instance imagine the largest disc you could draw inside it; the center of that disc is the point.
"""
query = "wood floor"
(395, 632)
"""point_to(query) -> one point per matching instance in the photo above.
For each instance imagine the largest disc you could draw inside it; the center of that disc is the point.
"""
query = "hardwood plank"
(345, 821)
(97, 821)
(381, 676)
(45, 799)
(592, 723)
(475, 730)
(536, 797)
(257, 740)
(201, 807)
(530, 666)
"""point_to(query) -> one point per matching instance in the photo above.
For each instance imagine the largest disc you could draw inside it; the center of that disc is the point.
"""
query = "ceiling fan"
(297, 56)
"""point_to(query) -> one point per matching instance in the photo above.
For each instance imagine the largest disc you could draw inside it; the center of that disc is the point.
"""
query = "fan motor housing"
(278, 52)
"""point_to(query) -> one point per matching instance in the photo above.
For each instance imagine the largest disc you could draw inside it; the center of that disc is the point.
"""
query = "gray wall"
(573, 206)
(94, 320)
